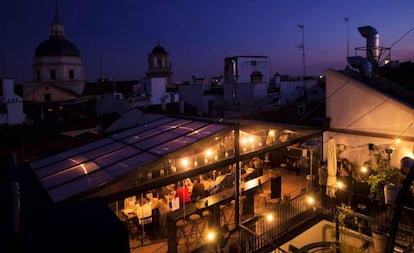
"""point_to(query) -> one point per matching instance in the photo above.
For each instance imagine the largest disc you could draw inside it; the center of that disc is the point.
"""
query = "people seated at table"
(183, 194)
(219, 177)
(168, 192)
(258, 165)
(144, 211)
(209, 185)
(250, 173)
(189, 184)
(198, 190)
(348, 166)
(344, 194)
(129, 203)
(243, 173)
(228, 180)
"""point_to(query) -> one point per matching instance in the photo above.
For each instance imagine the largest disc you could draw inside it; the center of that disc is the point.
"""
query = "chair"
(264, 198)
(144, 215)
(231, 219)
(195, 230)
(223, 218)
(133, 229)
(205, 214)
(145, 228)
(181, 234)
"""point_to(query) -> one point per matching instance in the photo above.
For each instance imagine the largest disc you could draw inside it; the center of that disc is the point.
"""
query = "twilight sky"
(115, 37)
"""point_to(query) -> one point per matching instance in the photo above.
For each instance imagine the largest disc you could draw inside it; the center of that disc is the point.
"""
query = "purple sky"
(199, 34)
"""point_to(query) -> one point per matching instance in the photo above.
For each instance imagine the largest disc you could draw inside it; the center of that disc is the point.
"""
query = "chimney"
(372, 36)
(367, 66)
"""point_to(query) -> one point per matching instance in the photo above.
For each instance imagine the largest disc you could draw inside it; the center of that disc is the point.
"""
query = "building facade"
(57, 71)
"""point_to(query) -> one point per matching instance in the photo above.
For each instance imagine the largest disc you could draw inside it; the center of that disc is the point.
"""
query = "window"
(37, 75)
(254, 63)
(52, 74)
(71, 74)
(47, 97)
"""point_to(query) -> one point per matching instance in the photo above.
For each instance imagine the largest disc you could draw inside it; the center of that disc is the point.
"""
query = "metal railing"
(262, 233)
(379, 222)
(259, 232)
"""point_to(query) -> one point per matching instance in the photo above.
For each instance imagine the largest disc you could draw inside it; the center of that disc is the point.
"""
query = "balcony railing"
(263, 232)
(259, 233)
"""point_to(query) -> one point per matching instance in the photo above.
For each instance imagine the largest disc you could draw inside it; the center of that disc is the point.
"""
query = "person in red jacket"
(183, 194)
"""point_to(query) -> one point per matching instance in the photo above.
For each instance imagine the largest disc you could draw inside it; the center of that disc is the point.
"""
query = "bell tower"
(159, 64)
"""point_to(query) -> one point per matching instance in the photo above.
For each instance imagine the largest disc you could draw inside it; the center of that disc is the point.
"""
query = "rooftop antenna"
(101, 67)
(3, 66)
(56, 11)
(405, 34)
(346, 19)
(302, 47)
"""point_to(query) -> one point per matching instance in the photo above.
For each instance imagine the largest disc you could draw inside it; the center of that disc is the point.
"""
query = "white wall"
(245, 67)
(351, 105)
(246, 91)
(380, 120)
(292, 90)
(356, 147)
(62, 65)
(323, 232)
(14, 104)
(156, 88)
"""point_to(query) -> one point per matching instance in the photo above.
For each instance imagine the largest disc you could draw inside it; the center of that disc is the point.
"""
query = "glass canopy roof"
(84, 168)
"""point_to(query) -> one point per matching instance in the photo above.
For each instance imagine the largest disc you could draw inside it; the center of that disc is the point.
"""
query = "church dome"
(159, 50)
(56, 46)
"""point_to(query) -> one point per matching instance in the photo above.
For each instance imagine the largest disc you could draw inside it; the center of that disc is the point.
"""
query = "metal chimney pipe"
(372, 36)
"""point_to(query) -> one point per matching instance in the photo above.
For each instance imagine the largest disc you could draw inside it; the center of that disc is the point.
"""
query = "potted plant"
(344, 216)
(383, 176)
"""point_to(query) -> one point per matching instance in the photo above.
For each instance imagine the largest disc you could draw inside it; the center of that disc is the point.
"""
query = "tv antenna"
(405, 34)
